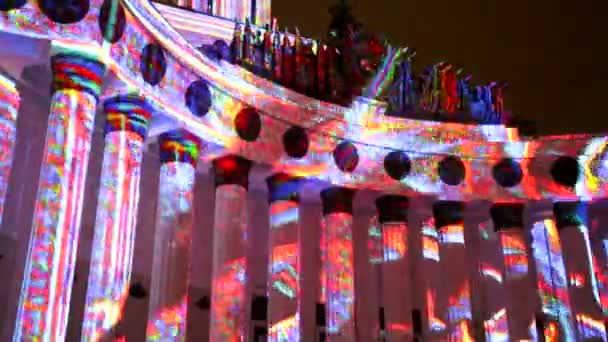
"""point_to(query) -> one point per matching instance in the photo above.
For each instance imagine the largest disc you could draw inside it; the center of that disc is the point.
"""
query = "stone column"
(283, 284)
(427, 272)
(519, 289)
(338, 262)
(49, 269)
(9, 107)
(127, 121)
(572, 225)
(168, 306)
(487, 277)
(395, 268)
(449, 221)
(553, 321)
(229, 320)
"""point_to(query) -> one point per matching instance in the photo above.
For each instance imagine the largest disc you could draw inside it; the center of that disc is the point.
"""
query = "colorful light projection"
(492, 294)
(114, 233)
(230, 243)
(395, 270)
(49, 270)
(9, 107)
(284, 270)
(552, 281)
(430, 275)
(571, 222)
(339, 270)
(453, 264)
(168, 308)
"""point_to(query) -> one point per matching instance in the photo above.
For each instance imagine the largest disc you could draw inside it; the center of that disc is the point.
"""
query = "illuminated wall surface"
(549, 277)
(9, 107)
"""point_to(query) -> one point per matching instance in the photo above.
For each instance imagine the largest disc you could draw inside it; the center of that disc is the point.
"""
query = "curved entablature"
(355, 147)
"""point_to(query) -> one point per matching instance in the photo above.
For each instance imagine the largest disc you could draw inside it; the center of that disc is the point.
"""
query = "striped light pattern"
(168, 308)
(9, 107)
(114, 232)
(49, 270)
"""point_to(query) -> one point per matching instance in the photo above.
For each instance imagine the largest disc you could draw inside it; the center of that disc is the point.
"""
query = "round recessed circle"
(222, 49)
(112, 20)
(565, 171)
(248, 124)
(198, 98)
(451, 171)
(346, 156)
(64, 11)
(507, 173)
(7, 5)
(153, 64)
(295, 142)
(397, 165)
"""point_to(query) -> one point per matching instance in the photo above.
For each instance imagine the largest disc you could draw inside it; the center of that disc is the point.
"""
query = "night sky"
(552, 52)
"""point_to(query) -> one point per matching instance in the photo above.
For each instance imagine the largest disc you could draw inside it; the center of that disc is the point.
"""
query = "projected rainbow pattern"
(552, 281)
(49, 270)
(114, 237)
(339, 270)
(229, 275)
(9, 107)
(456, 283)
(283, 286)
(168, 310)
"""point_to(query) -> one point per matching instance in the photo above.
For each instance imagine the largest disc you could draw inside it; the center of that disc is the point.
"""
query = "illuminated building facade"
(192, 176)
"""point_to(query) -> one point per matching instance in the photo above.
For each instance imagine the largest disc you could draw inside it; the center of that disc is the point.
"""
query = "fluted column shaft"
(554, 319)
(395, 268)
(49, 269)
(449, 221)
(518, 288)
(284, 259)
(228, 278)
(9, 107)
(168, 306)
(572, 225)
(430, 289)
(336, 231)
(127, 121)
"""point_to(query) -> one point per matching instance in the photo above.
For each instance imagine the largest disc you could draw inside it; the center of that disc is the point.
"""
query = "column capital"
(507, 216)
(232, 170)
(337, 200)
(75, 69)
(179, 146)
(570, 213)
(392, 208)
(283, 187)
(447, 213)
(129, 112)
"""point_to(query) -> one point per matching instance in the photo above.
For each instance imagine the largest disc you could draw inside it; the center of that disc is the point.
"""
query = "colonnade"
(430, 259)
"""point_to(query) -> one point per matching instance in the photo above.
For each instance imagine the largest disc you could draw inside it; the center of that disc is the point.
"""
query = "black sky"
(552, 52)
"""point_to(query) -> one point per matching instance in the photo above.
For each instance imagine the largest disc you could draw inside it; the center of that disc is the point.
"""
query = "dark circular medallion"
(64, 11)
(198, 98)
(248, 124)
(7, 5)
(153, 64)
(451, 171)
(112, 20)
(222, 49)
(507, 173)
(397, 165)
(565, 171)
(295, 142)
(346, 156)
